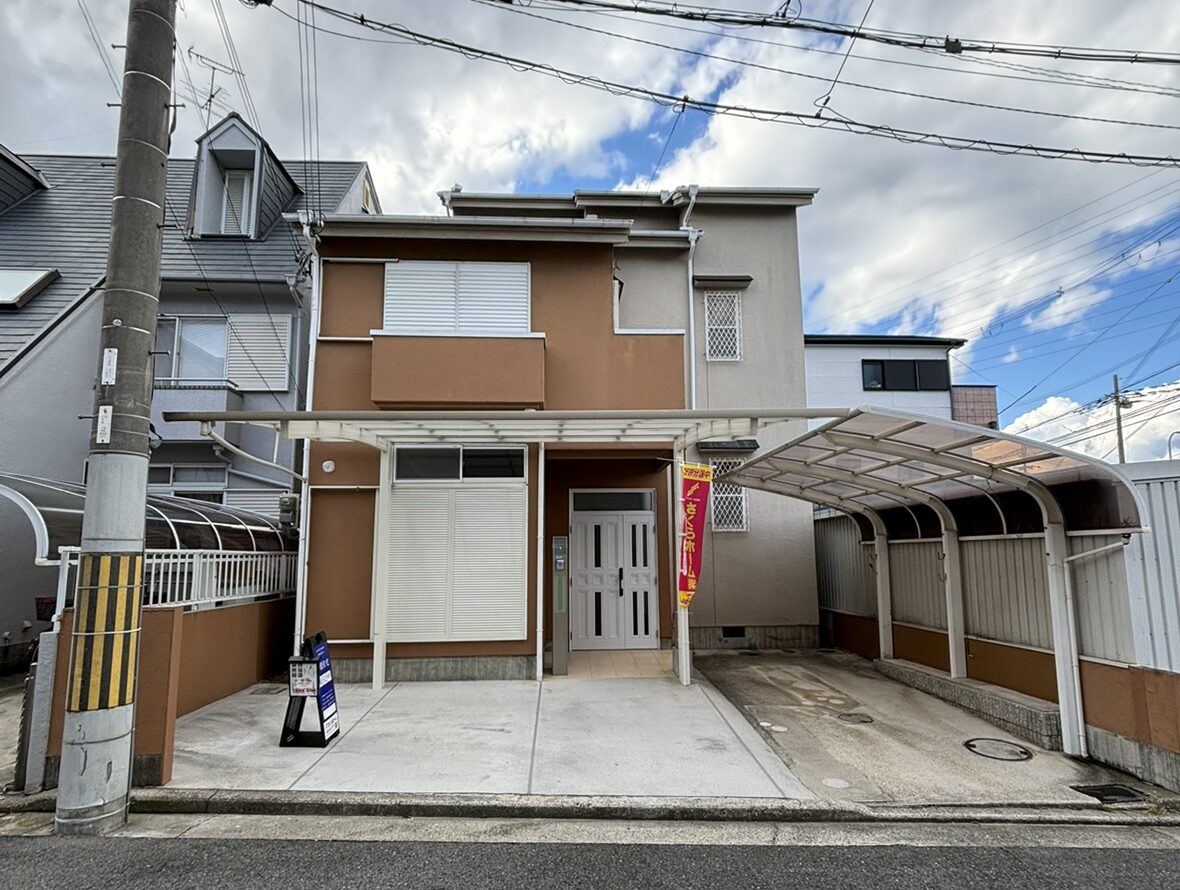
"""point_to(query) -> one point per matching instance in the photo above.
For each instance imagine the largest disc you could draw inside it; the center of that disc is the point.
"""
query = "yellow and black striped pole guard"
(106, 631)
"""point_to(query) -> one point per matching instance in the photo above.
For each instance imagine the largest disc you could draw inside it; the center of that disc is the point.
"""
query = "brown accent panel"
(856, 633)
(342, 377)
(353, 299)
(355, 464)
(340, 563)
(1134, 702)
(227, 650)
(609, 471)
(928, 647)
(453, 372)
(1013, 667)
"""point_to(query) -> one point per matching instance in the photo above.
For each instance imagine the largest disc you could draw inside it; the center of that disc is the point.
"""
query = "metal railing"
(198, 579)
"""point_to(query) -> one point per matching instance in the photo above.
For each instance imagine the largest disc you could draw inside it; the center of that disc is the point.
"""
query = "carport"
(902, 475)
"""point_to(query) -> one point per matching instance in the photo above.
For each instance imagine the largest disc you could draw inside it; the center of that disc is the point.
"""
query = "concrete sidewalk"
(581, 737)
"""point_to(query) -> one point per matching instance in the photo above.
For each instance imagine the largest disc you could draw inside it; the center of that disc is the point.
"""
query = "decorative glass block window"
(723, 326)
(729, 500)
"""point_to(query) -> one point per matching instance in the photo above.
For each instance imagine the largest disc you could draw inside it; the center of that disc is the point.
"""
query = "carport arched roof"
(55, 511)
(876, 459)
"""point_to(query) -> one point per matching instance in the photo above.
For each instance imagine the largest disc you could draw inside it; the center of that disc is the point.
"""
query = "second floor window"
(723, 326)
(905, 375)
(252, 352)
(426, 297)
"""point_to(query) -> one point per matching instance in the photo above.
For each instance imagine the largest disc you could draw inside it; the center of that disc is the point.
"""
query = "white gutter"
(1071, 612)
(693, 236)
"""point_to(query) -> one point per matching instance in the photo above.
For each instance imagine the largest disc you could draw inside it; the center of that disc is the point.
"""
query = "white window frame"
(174, 377)
(244, 226)
(713, 298)
(723, 465)
(458, 330)
(460, 480)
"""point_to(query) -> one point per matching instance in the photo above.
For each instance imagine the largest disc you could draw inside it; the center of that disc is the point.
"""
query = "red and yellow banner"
(695, 481)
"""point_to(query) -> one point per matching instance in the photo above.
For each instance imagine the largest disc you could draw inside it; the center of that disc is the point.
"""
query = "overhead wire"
(765, 115)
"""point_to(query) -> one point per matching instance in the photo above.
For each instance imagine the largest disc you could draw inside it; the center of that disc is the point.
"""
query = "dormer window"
(237, 209)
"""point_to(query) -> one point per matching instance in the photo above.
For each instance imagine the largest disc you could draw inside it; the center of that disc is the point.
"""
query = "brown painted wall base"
(1024, 670)
(1136, 703)
(928, 647)
(856, 633)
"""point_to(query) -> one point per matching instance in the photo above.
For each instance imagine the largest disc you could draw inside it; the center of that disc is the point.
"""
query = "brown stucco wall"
(458, 372)
(928, 647)
(224, 651)
(1133, 702)
(856, 633)
(340, 562)
(587, 365)
(1013, 667)
(622, 469)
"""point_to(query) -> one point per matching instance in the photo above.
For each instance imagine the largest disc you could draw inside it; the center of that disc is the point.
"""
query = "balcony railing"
(198, 579)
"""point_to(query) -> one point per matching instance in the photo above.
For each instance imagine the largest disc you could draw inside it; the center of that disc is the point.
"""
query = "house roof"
(67, 227)
(880, 340)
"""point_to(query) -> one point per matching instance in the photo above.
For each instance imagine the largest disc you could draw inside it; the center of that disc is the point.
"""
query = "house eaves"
(500, 201)
(659, 239)
(743, 197)
(24, 167)
(881, 340)
(481, 228)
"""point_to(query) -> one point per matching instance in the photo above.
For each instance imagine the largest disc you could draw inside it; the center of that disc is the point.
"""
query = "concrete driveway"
(910, 749)
(631, 737)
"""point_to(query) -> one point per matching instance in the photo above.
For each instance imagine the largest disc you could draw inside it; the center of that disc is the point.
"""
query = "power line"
(907, 40)
(235, 63)
(822, 102)
(765, 115)
(495, 4)
(96, 39)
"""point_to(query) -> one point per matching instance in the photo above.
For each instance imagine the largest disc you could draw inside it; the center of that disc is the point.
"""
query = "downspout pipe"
(1071, 612)
(693, 236)
(207, 430)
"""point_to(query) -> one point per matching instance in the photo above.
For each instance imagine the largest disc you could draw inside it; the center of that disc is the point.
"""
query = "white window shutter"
(417, 572)
(263, 501)
(420, 296)
(258, 352)
(494, 297)
(490, 582)
(237, 214)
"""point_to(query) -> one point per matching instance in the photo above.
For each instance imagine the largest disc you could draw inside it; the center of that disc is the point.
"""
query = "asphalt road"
(46, 862)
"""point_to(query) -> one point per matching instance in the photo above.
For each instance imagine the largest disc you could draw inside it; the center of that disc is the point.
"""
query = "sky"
(1058, 273)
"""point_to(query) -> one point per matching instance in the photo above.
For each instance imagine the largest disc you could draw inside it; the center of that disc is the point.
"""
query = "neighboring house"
(232, 331)
(893, 371)
(561, 303)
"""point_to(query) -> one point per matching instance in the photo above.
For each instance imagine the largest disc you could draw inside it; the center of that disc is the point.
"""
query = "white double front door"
(613, 589)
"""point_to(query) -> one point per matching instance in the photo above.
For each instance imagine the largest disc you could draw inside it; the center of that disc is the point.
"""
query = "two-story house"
(232, 332)
(909, 373)
(606, 301)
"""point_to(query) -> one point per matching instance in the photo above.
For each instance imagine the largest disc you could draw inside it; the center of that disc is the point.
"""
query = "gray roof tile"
(67, 226)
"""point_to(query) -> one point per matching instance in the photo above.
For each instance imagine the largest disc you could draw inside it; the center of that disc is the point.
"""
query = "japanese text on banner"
(695, 483)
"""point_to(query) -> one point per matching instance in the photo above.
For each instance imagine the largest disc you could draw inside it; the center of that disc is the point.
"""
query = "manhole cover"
(854, 718)
(998, 749)
(1111, 793)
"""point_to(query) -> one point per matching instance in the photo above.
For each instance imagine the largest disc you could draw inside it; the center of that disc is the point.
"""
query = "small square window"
(934, 375)
(493, 463)
(873, 374)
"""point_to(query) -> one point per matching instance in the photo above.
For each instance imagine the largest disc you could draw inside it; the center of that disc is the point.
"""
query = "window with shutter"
(237, 212)
(426, 297)
(258, 352)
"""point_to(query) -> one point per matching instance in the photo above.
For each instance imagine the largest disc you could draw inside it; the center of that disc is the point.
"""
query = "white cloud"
(1066, 308)
(1149, 417)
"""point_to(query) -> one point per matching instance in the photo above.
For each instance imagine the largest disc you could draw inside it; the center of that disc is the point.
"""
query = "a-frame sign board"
(310, 676)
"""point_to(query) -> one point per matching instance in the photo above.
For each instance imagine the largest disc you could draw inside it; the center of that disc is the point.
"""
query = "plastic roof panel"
(55, 511)
(878, 459)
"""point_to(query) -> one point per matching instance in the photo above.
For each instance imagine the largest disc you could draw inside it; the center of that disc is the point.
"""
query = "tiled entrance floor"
(620, 664)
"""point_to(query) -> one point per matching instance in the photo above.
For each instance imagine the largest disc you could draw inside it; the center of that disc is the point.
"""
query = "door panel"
(613, 581)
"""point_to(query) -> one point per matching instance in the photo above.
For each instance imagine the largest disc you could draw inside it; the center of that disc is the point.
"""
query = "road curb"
(521, 806)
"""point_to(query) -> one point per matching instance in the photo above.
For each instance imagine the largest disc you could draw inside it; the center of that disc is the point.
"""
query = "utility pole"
(1118, 419)
(97, 752)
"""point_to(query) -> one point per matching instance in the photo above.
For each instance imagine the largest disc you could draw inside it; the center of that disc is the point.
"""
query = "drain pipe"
(693, 236)
(1071, 616)
(207, 430)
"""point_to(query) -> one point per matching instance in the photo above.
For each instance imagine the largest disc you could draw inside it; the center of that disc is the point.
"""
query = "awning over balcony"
(55, 511)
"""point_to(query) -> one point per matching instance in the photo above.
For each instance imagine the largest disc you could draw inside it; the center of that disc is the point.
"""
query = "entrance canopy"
(874, 460)
(55, 510)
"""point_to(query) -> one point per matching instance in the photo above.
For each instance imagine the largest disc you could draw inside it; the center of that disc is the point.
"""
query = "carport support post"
(1065, 642)
(97, 739)
(884, 594)
(955, 631)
